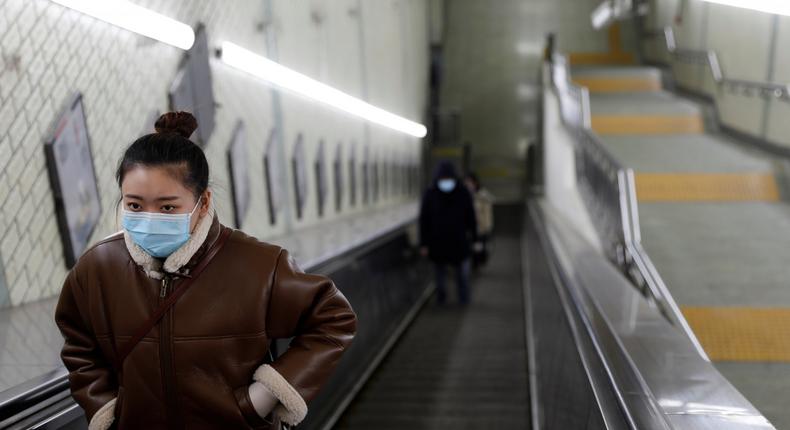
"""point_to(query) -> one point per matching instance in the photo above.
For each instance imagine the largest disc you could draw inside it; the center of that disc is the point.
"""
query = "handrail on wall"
(609, 191)
(711, 59)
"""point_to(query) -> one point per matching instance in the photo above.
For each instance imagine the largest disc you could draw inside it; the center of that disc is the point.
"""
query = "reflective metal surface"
(608, 190)
(663, 380)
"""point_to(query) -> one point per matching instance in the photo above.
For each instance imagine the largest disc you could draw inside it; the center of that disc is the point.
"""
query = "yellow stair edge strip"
(709, 187)
(647, 124)
(617, 85)
(742, 333)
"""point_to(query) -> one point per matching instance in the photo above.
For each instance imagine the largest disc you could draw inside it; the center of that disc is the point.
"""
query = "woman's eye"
(133, 206)
(168, 208)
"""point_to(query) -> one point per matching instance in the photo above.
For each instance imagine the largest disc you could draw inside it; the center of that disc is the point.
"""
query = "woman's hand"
(262, 399)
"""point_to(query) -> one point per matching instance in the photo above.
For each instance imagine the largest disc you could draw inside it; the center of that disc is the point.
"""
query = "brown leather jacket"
(193, 369)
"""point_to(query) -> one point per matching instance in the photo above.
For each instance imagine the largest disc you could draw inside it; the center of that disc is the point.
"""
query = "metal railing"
(708, 57)
(608, 189)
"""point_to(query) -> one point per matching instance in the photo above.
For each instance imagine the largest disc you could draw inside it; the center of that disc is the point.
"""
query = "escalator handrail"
(629, 252)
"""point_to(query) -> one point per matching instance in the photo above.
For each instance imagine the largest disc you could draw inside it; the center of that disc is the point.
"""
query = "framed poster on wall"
(374, 179)
(366, 175)
(239, 173)
(272, 172)
(352, 175)
(72, 176)
(337, 167)
(299, 168)
(192, 89)
(320, 177)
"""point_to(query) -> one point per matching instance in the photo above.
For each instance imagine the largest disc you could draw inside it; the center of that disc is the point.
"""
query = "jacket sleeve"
(91, 378)
(312, 310)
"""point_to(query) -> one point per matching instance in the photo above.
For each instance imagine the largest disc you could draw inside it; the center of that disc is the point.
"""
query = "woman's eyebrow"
(159, 199)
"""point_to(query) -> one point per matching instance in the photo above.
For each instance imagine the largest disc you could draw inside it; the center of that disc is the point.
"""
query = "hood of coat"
(185, 257)
(444, 170)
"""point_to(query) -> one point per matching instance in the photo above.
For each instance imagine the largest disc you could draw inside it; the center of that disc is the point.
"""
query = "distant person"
(484, 212)
(167, 324)
(447, 229)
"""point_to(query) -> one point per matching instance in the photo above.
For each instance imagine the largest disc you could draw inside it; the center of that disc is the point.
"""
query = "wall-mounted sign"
(239, 173)
(366, 175)
(72, 177)
(192, 89)
(374, 178)
(352, 175)
(273, 175)
(320, 177)
(337, 168)
(299, 168)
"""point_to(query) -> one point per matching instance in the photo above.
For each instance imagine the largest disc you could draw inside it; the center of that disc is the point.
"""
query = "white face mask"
(446, 185)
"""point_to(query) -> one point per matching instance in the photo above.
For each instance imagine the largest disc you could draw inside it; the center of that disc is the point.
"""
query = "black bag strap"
(171, 300)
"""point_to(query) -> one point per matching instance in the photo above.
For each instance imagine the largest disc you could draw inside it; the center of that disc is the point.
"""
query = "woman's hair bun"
(183, 123)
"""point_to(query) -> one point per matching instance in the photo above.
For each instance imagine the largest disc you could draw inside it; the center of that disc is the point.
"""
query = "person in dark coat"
(447, 229)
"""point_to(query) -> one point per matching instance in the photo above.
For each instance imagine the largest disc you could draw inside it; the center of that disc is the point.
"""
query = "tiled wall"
(377, 52)
(493, 54)
(750, 45)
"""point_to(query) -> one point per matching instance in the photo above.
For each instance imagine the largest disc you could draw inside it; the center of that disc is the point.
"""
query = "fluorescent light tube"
(134, 18)
(603, 15)
(779, 7)
(283, 77)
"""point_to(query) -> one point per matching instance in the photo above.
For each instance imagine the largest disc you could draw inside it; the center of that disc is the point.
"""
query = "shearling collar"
(182, 257)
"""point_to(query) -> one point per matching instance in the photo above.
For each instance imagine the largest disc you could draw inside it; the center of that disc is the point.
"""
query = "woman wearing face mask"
(447, 229)
(167, 324)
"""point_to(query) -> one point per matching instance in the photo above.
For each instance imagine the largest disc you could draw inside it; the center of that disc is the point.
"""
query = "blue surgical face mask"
(446, 185)
(158, 234)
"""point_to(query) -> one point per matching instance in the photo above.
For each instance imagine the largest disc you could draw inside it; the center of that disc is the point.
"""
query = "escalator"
(556, 337)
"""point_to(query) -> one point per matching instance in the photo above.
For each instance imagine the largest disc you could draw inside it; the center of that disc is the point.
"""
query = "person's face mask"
(158, 234)
(446, 185)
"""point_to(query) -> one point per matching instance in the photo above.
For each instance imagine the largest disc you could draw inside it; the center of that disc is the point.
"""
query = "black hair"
(473, 177)
(170, 147)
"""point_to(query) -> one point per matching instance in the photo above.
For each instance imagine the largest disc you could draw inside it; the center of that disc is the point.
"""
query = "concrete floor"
(641, 103)
(698, 153)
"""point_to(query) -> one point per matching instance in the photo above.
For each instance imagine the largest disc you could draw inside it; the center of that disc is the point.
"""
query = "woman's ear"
(205, 202)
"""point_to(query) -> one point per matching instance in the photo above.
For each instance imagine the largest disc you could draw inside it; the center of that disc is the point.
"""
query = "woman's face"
(158, 190)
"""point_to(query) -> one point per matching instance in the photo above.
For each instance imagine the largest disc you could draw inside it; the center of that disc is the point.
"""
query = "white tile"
(39, 34)
(25, 215)
(7, 116)
(4, 189)
(35, 260)
(18, 129)
(9, 243)
(11, 40)
(22, 251)
(36, 68)
(15, 167)
(26, 19)
(17, 291)
(21, 93)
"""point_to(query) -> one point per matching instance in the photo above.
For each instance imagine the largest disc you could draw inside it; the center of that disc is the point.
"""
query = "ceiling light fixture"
(283, 77)
(137, 19)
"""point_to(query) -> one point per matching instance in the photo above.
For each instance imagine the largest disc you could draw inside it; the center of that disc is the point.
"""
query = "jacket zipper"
(166, 360)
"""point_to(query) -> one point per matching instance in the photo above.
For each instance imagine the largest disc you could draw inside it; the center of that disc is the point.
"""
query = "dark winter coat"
(447, 224)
